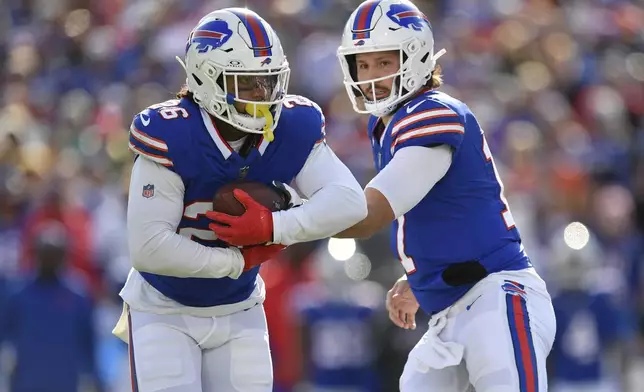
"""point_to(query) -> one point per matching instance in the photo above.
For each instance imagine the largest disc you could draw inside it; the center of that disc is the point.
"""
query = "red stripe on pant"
(135, 383)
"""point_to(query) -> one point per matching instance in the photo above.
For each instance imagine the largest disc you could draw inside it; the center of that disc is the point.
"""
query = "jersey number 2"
(170, 110)
(506, 214)
(296, 100)
(193, 212)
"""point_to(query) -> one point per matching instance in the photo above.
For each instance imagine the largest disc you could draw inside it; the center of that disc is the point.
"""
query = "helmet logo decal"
(408, 17)
(210, 35)
(260, 43)
(363, 22)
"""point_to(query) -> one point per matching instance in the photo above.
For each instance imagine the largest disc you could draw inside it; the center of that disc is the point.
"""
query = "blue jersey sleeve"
(320, 122)
(148, 139)
(425, 124)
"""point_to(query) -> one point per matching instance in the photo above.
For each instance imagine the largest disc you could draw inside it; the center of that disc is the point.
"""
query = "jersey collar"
(222, 145)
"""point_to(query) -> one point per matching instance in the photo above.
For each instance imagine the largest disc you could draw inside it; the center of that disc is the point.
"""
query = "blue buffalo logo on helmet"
(210, 35)
(408, 17)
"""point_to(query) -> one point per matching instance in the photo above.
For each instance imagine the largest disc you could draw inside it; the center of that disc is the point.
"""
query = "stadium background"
(557, 85)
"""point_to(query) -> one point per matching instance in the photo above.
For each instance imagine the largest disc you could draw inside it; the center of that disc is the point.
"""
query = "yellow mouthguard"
(262, 111)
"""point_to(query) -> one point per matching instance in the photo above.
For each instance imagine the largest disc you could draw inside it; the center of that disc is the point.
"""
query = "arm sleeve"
(336, 200)
(155, 246)
(411, 174)
(432, 124)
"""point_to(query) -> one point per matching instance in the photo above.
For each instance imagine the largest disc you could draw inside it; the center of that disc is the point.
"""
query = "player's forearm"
(362, 229)
(152, 220)
(400, 186)
(168, 253)
(379, 215)
(332, 209)
(336, 201)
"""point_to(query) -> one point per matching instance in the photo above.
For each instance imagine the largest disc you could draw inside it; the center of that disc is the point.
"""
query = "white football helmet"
(386, 25)
(235, 49)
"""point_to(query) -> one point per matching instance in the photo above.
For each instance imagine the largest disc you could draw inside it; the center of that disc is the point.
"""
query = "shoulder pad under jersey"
(151, 131)
(426, 121)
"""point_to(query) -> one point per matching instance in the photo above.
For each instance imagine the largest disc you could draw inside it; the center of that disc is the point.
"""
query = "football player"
(193, 317)
(592, 327)
(492, 322)
(337, 324)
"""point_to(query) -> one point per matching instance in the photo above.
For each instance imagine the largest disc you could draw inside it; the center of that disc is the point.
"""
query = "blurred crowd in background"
(558, 87)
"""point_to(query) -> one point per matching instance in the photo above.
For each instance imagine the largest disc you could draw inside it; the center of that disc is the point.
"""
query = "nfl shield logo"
(148, 191)
(242, 172)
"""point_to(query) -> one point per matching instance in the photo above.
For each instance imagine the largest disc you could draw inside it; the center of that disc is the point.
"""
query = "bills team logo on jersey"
(513, 288)
(210, 35)
(148, 191)
(408, 17)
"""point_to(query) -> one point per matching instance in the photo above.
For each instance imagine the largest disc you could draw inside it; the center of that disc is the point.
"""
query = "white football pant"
(180, 353)
(494, 339)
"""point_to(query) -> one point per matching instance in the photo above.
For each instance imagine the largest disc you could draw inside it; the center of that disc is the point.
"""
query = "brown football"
(266, 195)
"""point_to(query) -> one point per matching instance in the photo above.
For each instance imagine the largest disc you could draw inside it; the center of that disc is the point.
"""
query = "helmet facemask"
(416, 67)
(249, 100)
(366, 91)
(264, 92)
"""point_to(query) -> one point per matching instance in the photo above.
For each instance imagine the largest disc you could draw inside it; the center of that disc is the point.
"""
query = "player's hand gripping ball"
(242, 212)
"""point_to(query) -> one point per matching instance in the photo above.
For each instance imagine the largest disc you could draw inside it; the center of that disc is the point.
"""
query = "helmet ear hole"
(196, 96)
(217, 107)
(210, 70)
(220, 82)
(196, 79)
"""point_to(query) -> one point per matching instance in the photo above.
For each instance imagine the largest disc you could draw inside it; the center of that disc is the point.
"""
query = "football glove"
(256, 255)
(290, 195)
(253, 227)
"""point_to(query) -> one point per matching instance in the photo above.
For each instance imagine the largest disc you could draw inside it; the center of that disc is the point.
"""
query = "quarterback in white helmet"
(492, 323)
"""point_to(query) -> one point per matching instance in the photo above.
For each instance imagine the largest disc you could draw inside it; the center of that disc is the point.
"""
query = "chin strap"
(262, 111)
